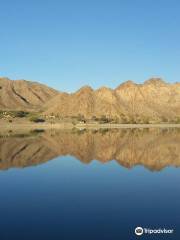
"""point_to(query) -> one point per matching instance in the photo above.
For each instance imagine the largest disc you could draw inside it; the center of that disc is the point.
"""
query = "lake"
(89, 184)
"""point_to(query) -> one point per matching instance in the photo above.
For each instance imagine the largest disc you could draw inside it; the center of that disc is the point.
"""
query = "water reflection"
(155, 149)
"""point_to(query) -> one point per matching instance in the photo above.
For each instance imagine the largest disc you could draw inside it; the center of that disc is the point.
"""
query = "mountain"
(154, 100)
(23, 95)
(86, 102)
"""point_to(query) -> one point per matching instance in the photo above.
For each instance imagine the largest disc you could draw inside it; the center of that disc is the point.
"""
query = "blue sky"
(67, 44)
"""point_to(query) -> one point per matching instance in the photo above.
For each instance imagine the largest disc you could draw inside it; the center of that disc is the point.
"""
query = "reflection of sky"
(66, 199)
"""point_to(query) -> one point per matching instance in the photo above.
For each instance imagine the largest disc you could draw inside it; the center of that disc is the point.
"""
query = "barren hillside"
(152, 101)
(155, 100)
(23, 95)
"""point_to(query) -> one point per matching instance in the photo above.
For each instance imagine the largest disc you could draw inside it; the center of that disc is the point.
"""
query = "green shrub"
(37, 131)
(177, 120)
(104, 119)
(80, 118)
(20, 114)
(146, 120)
(36, 119)
(132, 120)
(115, 120)
(103, 130)
(123, 118)
(165, 119)
(94, 118)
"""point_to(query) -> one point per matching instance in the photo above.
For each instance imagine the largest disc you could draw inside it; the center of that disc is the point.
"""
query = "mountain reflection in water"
(155, 149)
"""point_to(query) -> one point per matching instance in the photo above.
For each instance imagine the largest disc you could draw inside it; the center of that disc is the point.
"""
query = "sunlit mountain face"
(154, 101)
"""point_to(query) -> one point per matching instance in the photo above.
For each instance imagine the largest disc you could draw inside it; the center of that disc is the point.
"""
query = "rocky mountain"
(23, 95)
(154, 100)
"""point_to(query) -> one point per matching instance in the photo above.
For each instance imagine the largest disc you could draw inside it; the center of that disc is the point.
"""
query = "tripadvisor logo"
(139, 231)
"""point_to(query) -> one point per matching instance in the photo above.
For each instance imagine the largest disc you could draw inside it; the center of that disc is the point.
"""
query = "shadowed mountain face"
(21, 94)
(154, 149)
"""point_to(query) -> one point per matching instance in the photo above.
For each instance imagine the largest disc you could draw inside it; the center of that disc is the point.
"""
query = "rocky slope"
(23, 95)
(155, 100)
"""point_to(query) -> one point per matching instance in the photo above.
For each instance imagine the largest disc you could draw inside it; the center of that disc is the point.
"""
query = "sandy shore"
(31, 126)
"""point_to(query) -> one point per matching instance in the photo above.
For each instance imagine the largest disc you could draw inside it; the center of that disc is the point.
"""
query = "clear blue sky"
(70, 43)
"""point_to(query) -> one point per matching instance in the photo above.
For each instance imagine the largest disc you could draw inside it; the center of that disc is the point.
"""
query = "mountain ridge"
(154, 100)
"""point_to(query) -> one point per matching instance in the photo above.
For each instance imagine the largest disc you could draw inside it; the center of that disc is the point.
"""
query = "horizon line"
(128, 82)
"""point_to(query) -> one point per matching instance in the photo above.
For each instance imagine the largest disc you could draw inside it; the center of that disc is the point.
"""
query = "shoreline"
(31, 126)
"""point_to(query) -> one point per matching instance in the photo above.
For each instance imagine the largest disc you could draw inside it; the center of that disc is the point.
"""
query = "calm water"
(89, 184)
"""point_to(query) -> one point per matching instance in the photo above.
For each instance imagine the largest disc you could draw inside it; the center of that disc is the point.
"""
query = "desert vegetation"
(39, 117)
(13, 114)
